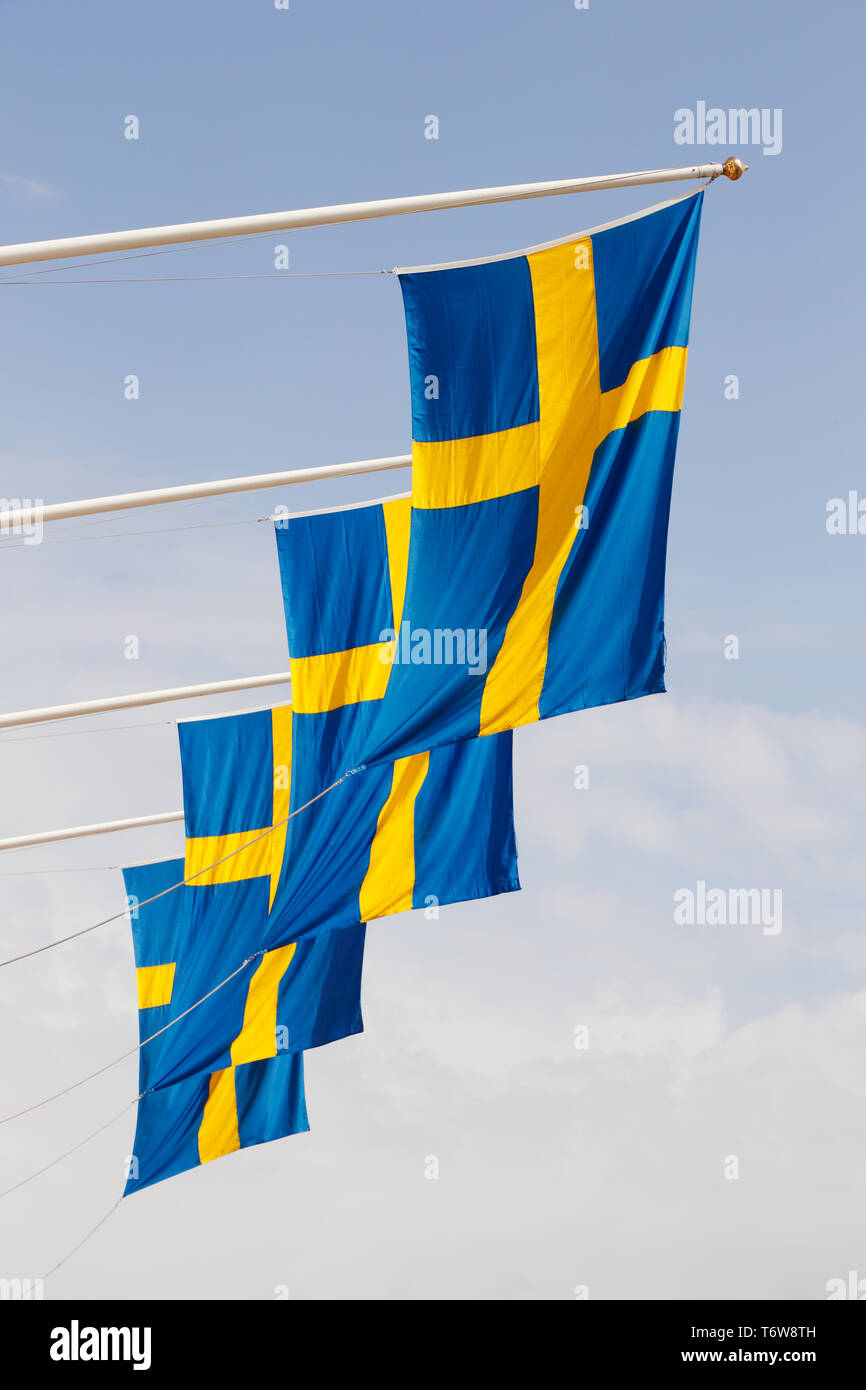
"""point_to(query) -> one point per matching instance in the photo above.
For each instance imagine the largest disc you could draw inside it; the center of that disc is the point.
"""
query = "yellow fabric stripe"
(218, 1131)
(460, 471)
(569, 394)
(255, 862)
(398, 516)
(155, 983)
(281, 730)
(654, 383)
(390, 879)
(326, 682)
(258, 1036)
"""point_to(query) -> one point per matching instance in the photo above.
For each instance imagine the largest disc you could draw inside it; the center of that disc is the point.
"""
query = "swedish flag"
(301, 995)
(229, 1073)
(546, 395)
(428, 829)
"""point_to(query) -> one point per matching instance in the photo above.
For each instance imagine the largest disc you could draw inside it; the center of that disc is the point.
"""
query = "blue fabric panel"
(334, 572)
(228, 779)
(326, 745)
(644, 274)
(473, 329)
(464, 823)
(607, 633)
(166, 1132)
(156, 928)
(320, 994)
(270, 1099)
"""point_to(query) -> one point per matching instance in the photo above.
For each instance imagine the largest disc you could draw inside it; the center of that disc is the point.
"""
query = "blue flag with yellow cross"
(546, 394)
(228, 1073)
(424, 831)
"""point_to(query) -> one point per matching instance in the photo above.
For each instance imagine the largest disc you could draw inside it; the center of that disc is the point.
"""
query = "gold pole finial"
(734, 168)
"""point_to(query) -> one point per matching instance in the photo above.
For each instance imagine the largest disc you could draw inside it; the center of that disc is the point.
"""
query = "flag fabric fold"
(546, 394)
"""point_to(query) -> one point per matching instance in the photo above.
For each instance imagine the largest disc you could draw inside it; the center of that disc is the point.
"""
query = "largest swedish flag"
(546, 394)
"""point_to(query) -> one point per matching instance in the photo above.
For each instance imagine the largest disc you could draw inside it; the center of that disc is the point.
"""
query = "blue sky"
(749, 772)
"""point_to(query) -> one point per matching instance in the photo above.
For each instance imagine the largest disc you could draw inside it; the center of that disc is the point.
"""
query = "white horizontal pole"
(149, 697)
(132, 240)
(13, 520)
(76, 832)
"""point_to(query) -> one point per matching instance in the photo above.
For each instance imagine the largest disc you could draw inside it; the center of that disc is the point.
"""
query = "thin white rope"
(69, 1152)
(175, 279)
(85, 733)
(152, 531)
(182, 883)
(83, 869)
(84, 1239)
(347, 507)
(132, 1051)
(80, 525)
(143, 255)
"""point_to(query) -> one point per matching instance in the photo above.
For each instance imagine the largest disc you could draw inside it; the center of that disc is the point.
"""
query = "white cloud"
(558, 1166)
(23, 188)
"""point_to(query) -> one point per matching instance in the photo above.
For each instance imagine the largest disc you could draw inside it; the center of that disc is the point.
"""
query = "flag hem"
(548, 245)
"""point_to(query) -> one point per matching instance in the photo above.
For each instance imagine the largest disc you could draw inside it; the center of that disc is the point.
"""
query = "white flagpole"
(132, 240)
(75, 832)
(149, 697)
(13, 522)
